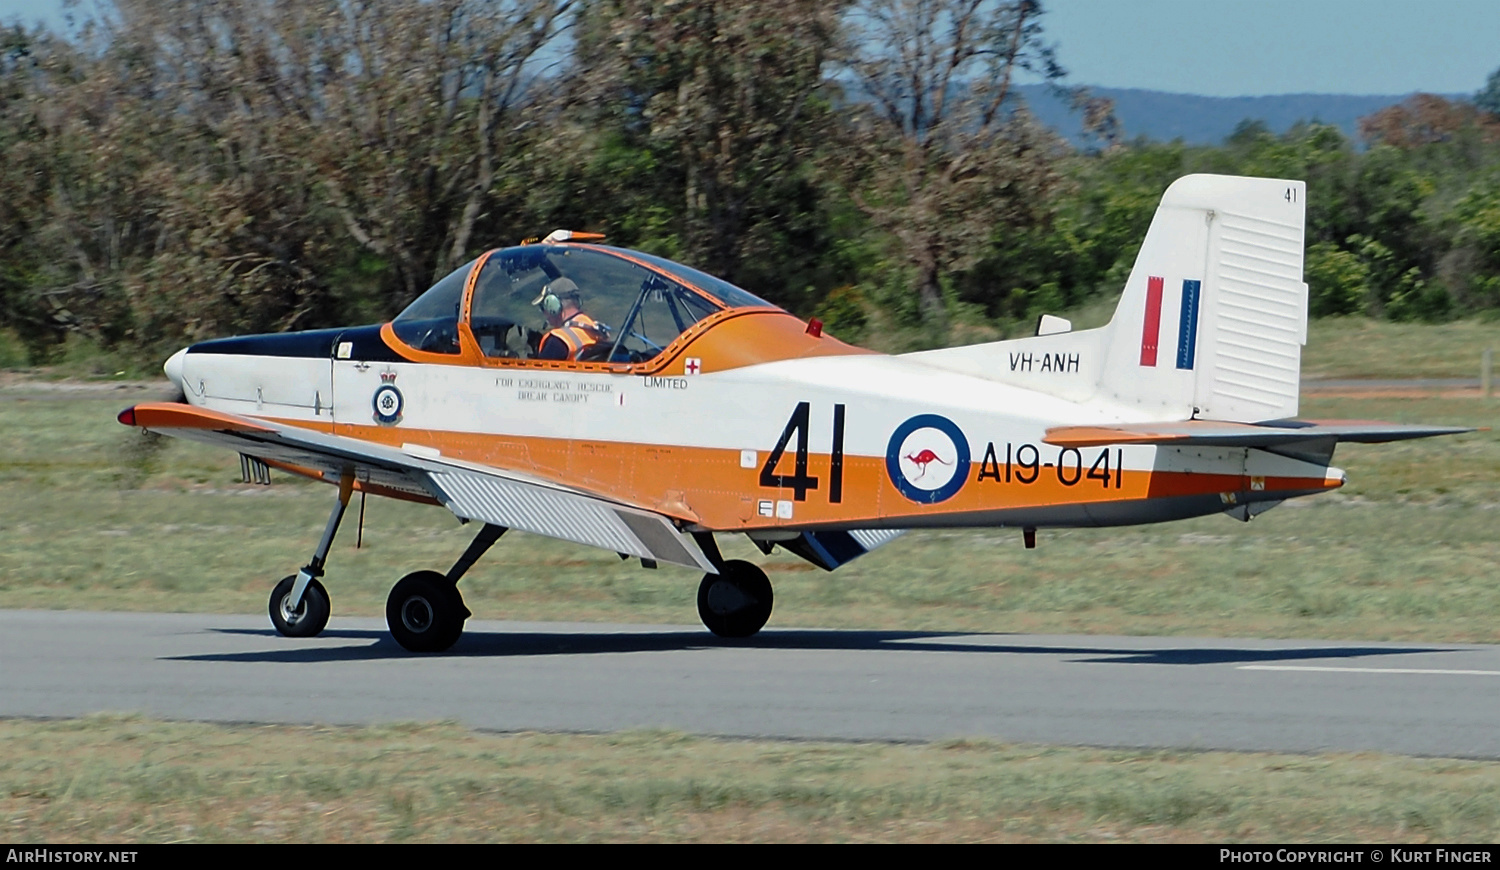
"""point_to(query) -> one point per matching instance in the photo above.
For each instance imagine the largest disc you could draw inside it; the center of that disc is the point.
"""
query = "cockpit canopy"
(638, 303)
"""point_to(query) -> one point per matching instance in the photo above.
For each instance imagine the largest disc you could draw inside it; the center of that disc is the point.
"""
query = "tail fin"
(1211, 323)
(1214, 314)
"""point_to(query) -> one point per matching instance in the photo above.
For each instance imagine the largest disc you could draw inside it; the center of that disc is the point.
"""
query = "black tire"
(425, 612)
(310, 617)
(737, 601)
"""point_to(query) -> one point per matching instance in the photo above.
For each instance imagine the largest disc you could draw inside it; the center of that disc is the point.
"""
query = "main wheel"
(311, 615)
(737, 601)
(425, 612)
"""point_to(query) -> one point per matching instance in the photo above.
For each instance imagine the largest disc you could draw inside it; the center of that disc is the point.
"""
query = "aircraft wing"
(1220, 434)
(472, 492)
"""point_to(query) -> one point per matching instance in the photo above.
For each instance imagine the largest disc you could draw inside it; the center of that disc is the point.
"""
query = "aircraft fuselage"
(836, 442)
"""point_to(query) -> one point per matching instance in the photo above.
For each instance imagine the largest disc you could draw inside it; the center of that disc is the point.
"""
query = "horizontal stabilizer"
(1221, 434)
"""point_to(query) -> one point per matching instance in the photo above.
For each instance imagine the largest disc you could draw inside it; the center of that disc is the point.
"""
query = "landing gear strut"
(299, 604)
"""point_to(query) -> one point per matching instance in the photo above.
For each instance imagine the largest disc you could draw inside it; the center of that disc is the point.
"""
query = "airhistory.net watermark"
(68, 856)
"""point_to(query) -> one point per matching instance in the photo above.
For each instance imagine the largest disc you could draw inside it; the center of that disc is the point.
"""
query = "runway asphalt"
(1202, 693)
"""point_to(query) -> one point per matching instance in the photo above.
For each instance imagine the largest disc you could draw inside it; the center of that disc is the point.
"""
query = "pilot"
(571, 331)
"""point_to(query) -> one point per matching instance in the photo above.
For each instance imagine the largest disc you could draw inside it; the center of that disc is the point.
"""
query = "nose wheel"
(737, 601)
(307, 617)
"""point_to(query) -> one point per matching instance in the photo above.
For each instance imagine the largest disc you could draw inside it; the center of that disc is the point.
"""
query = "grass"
(75, 357)
(1357, 347)
(110, 778)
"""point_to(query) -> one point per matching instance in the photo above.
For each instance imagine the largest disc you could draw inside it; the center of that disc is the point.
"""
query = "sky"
(1231, 48)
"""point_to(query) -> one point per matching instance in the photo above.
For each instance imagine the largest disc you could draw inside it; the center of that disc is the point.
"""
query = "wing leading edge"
(471, 492)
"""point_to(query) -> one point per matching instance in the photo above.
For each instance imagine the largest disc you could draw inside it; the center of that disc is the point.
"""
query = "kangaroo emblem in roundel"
(915, 463)
(923, 459)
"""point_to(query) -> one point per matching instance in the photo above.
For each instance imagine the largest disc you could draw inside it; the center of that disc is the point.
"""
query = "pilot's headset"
(550, 301)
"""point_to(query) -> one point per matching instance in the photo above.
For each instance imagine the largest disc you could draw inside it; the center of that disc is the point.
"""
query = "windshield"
(431, 323)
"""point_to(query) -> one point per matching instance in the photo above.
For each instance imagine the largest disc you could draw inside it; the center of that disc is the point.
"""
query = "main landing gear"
(737, 601)
(425, 611)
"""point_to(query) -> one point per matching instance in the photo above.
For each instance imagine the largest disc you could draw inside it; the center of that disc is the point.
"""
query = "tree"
(718, 106)
(85, 146)
(1477, 245)
(948, 153)
(24, 180)
(210, 168)
(1337, 280)
(418, 107)
(1488, 98)
(1425, 119)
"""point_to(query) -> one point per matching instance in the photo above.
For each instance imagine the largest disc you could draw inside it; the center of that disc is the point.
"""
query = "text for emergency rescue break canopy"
(555, 390)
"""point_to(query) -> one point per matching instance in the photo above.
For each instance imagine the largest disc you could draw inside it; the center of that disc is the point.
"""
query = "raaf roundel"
(685, 407)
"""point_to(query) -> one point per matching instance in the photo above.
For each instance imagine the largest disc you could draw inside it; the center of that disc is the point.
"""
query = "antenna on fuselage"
(557, 236)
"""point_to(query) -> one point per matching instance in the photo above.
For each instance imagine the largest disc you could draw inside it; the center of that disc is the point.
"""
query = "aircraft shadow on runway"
(480, 644)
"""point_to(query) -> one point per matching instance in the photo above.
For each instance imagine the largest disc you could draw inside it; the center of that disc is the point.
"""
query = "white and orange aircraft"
(692, 408)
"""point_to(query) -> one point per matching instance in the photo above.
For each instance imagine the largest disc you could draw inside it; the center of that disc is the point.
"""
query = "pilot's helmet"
(552, 297)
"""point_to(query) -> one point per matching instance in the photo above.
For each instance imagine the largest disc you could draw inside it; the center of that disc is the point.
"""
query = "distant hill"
(1209, 120)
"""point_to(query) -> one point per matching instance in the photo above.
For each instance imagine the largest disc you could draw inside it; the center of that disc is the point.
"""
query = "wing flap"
(567, 515)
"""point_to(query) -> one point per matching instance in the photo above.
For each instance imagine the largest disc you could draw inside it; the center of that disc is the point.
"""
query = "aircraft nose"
(173, 367)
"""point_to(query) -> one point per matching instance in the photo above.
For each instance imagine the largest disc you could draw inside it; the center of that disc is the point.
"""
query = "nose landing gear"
(299, 604)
